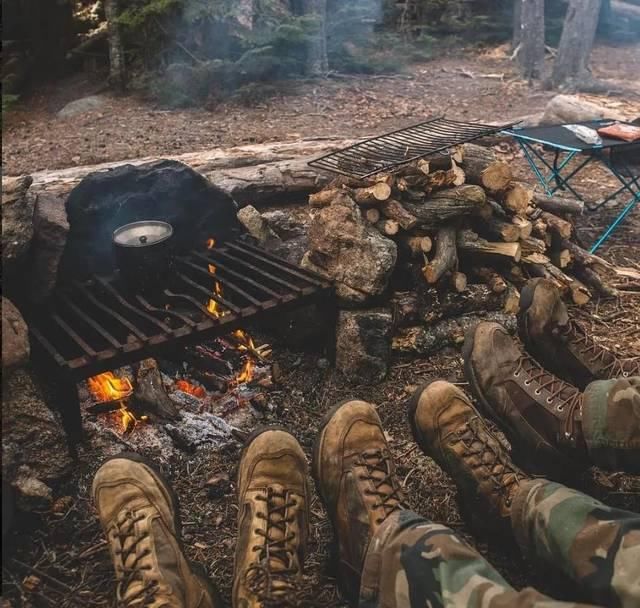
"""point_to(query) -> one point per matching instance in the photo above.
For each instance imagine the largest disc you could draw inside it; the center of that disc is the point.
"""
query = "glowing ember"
(246, 373)
(107, 387)
(211, 243)
(191, 389)
(245, 341)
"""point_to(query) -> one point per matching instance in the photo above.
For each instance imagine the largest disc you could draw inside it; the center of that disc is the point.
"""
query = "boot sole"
(350, 594)
(199, 571)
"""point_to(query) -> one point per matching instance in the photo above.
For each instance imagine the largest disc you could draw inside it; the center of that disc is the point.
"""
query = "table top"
(557, 137)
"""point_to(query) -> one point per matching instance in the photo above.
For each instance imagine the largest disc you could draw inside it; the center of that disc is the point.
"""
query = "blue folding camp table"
(556, 174)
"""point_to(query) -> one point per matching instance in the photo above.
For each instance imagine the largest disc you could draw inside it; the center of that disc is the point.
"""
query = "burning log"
(150, 394)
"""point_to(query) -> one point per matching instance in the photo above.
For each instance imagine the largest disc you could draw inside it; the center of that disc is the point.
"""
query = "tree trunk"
(517, 19)
(317, 60)
(117, 74)
(531, 53)
(576, 42)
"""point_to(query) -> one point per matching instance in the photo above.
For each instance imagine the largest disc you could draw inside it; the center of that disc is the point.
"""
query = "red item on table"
(621, 131)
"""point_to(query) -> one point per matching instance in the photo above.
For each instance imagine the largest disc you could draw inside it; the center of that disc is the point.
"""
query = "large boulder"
(165, 190)
(343, 247)
(15, 338)
(34, 445)
(17, 219)
(82, 106)
(363, 344)
(564, 109)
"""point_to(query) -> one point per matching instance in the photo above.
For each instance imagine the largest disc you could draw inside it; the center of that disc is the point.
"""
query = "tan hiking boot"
(356, 479)
(562, 344)
(273, 521)
(139, 514)
(540, 414)
(450, 430)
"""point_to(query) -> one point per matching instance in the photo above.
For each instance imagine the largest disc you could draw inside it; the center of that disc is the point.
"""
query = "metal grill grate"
(98, 325)
(387, 151)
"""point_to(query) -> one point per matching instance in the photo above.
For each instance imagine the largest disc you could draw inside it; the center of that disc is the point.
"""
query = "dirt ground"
(60, 558)
(479, 86)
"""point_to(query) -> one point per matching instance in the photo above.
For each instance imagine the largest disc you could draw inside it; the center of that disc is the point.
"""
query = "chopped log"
(490, 277)
(324, 197)
(457, 154)
(468, 241)
(437, 304)
(394, 210)
(414, 246)
(557, 225)
(459, 281)
(370, 195)
(524, 226)
(532, 245)
(150, 395)
(511, 303)
(481, 167)
(516, 197)
(580, 295)
(583, 257)
(445, 258)
(446, 205)
(388, 227)
(561, 258)
(449, 332)
(558, 204)
(372, 214)
(506, 231)
(591, 278)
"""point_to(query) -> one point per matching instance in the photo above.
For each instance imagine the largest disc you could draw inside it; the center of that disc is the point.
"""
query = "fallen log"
(445, 257)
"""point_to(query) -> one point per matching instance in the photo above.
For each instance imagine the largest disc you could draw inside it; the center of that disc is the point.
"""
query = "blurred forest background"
(185, 52)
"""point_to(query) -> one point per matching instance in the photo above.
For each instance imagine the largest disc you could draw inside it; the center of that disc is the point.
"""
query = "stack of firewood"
(462, 218)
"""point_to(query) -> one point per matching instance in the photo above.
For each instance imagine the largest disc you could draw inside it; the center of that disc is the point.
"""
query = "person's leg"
(596, 546)
(611, 423)
(273, 521)
(389, 557)
(138, 511)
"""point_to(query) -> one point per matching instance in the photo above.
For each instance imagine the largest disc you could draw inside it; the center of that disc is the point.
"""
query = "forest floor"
(478, 85)
(60, 558)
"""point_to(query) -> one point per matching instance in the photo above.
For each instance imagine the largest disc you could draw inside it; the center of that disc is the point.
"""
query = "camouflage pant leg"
(414, 563)
(595, 545)
(611, 423)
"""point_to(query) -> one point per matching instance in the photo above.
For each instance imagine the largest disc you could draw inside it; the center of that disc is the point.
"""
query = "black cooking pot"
(143, 253)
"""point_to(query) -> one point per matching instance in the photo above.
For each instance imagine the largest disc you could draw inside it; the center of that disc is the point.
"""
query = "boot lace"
(612, 366)
(127, 540)
(272, 577)
(565, 396)
(476, 442)
(377, 467)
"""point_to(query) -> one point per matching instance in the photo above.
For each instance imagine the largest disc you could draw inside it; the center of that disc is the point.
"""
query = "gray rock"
(343, 247)
(82, 105)
(363, 344)
(32, 435)
(15, 338)
(257, 227)
(284, 224)
(50, 236)
(31, 493)
(17, 218)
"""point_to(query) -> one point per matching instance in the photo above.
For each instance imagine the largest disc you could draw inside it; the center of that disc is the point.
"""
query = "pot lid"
(142, 234)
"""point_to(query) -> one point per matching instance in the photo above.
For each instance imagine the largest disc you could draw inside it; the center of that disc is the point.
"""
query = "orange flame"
(191, 389)
(211, 243)
(244, 339)
(107, 387)
(213, 307)
(246, 373)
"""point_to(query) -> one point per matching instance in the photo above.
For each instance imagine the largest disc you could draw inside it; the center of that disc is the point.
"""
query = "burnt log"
(150, 395)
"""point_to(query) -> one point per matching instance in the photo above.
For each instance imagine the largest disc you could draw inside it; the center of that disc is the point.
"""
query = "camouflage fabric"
(597, 546)
(414, 563)
(611, 423)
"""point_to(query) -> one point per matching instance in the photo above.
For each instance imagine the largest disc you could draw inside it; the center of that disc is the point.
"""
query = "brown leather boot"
(562, 344)
(540, 414)
(273, 521)
(356, 479)
(139, 514)
(450, 430)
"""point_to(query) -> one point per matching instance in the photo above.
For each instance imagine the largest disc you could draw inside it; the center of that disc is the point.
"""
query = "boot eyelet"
(549, 400)
(625, 374)
(538, 391)
(560, 408)
(516, 374)
(527, 382)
